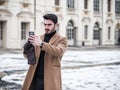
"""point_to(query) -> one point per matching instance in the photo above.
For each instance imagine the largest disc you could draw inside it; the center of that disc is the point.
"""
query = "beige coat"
(52, 63)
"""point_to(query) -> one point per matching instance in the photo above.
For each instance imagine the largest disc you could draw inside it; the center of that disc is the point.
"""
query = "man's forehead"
(48, 21)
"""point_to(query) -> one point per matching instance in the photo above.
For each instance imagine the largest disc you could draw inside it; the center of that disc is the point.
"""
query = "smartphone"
(31, 33)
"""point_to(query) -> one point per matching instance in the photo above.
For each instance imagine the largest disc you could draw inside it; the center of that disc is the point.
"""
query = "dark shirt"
(40, 67)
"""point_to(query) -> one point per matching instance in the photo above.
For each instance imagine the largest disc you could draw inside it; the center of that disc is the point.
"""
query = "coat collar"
(53, 39)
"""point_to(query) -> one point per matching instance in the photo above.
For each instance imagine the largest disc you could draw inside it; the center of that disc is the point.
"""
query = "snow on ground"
(95, 78)
(13, 62)
(105, 77)
(90, 57)
(10, 62)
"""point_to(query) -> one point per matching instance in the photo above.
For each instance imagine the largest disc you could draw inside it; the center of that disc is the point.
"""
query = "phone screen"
(31, 33)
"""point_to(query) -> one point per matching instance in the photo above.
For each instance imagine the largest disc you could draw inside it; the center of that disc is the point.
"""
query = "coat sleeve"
(24, 54)
(56, 50)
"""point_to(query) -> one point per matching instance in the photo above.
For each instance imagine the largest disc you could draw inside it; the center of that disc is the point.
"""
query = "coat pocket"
(57, 62)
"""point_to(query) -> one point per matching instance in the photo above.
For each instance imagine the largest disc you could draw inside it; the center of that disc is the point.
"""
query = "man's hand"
(35, 40)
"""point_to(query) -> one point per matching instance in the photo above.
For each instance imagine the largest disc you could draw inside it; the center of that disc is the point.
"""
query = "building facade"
(83, 22)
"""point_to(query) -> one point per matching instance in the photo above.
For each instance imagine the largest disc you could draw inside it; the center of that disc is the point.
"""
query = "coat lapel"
(54, 38)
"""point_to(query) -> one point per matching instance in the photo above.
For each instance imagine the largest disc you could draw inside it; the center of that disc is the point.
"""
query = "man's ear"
(56, 26)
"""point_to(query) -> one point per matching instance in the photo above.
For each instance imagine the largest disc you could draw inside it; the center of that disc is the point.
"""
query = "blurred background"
(92, 27)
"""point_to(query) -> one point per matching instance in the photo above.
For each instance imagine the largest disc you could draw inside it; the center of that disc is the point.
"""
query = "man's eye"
(47, 24)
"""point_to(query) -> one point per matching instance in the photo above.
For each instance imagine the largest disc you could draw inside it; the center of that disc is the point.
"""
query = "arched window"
(70, 30)
(117, 34)
(96, 31)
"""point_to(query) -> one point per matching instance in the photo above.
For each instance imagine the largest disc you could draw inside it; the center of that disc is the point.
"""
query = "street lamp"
(34, 14)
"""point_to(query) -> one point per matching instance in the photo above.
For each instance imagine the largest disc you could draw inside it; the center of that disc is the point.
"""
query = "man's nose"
(46, 27)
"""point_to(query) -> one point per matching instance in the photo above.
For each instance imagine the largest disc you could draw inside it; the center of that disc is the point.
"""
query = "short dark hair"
(52, 17)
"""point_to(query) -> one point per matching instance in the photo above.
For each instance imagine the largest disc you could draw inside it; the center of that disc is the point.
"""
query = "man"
(49, 49)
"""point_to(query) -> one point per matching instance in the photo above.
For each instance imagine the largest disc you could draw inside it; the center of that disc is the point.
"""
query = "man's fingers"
(31, 38)
(31, 41)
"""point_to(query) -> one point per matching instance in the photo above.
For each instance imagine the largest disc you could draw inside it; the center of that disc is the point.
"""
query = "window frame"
(70, 33)
(109, 33)
(23, 30)
(1, 30)
(57, 2)
(86, 32)
(109, 5)
(117, 6)
(70, 3)
(96, 5)
(85, 4)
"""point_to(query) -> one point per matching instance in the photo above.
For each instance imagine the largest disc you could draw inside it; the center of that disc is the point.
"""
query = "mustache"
(47, 29)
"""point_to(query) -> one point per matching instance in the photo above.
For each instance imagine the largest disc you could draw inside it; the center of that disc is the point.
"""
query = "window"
(1, 30)
(96, 34)
(23, 31)
(109, 5)
(109, 32)
(96, 5)
(70, 3)
(2, 3)
(85, 4)
(117, 6)
(86, 31)
(70, 30)
(57, 2)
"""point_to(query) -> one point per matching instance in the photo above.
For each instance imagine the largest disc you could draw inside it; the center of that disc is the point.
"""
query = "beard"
(48, 31)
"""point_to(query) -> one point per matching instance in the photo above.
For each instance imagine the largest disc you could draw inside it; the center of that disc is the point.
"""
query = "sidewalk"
(94, 48)
(15, 51)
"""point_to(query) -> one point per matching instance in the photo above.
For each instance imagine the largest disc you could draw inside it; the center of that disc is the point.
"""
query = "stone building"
(83, 22)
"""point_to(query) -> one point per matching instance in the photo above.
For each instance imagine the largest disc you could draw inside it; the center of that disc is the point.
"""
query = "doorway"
(96, 34)
(117, 35)
(25, 26)
(2, 33)
(71, 33)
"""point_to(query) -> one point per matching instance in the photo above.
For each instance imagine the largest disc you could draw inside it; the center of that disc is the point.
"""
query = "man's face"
(49, 26)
